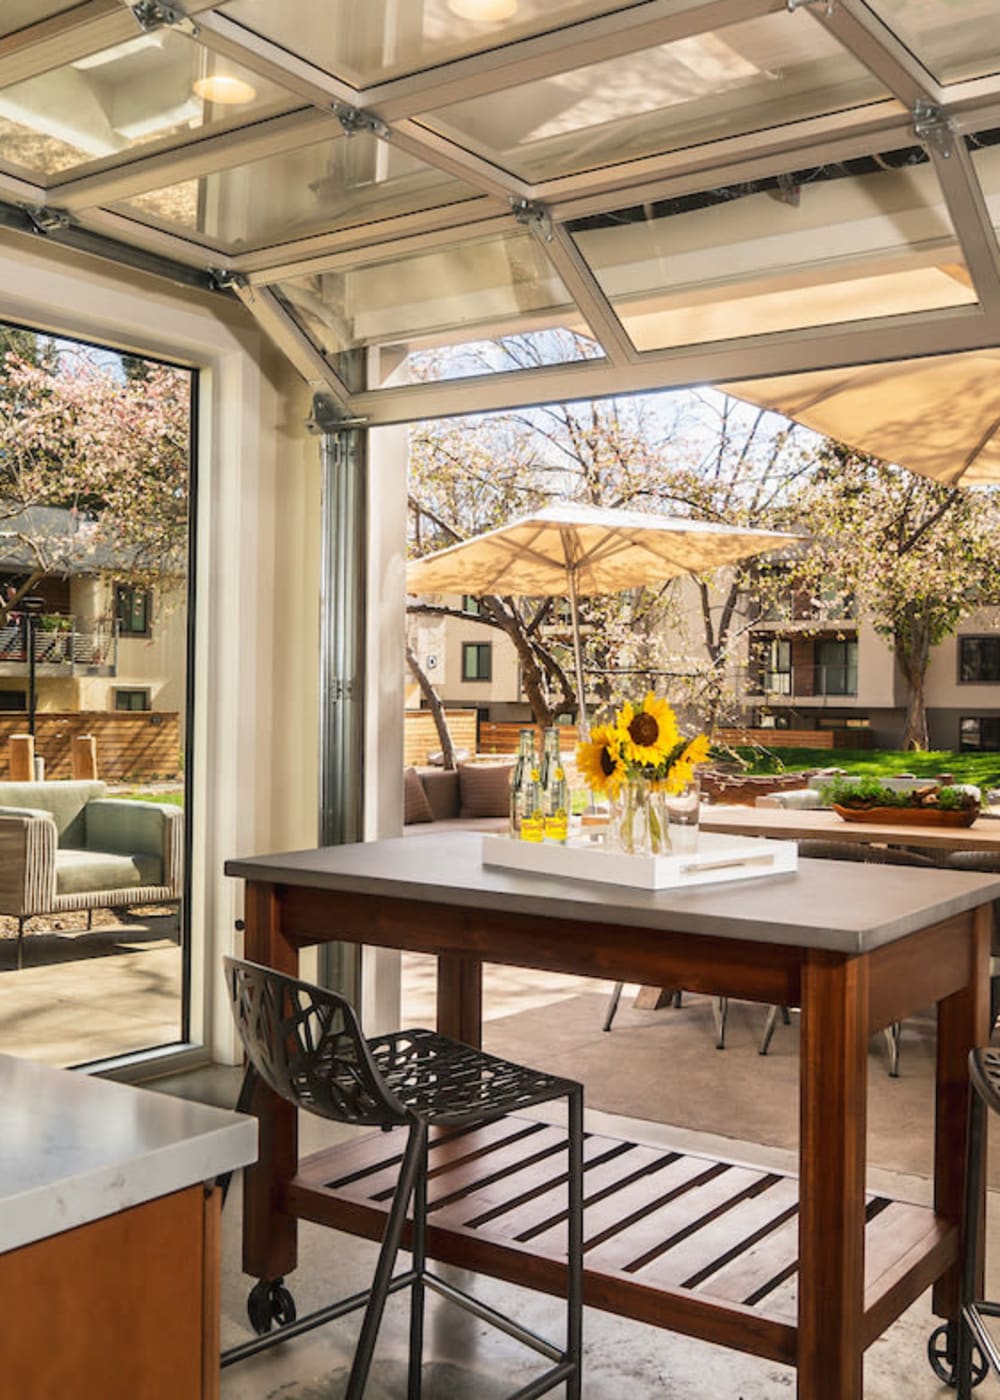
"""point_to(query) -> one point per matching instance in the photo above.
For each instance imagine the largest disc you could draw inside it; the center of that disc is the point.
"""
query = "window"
(837, 668)
(471, 604)
(978, 660)
(132, 609)
(477, 661)
(13, 700)
(132, 700)
(980, 732)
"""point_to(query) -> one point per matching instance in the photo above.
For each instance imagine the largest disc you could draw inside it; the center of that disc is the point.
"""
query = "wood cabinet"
(123, 1308)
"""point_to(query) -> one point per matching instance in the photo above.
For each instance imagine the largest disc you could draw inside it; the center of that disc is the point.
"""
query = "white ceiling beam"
(863, 34)
(436, 150)
(409, 233)
(17, 191)
(56, 41)
(558, 51)
(588, 294)
(210, 153)
(754, 357)
(278, 326)
(169, 245)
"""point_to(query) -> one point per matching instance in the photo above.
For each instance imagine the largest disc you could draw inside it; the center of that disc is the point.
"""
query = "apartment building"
(793, 665)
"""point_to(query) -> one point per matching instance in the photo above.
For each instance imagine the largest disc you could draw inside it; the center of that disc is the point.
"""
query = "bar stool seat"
(306, 1044)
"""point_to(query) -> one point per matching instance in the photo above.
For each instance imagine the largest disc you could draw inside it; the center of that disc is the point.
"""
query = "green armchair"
(67, 846)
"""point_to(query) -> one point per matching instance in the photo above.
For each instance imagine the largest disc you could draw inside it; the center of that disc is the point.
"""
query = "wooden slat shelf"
(682, 1241)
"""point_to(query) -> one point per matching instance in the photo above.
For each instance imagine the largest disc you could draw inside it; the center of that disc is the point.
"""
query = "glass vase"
(630, 818)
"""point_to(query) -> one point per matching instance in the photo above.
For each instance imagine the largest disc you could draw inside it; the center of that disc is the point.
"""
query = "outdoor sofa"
(66, 846)
(471, 797)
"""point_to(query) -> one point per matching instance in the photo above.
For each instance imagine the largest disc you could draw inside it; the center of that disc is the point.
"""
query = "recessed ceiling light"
(485, 11)
(224, 89)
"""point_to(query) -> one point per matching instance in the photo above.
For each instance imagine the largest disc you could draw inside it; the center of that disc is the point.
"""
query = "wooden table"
(810, 1274)
(825, 825)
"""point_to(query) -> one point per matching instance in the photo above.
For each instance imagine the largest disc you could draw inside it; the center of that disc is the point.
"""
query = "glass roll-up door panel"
(320, 186)
(954, 39)
(438, 298)
(379, 39)
(158, 88)
(761, 73)
(984, 147)
(866, 238)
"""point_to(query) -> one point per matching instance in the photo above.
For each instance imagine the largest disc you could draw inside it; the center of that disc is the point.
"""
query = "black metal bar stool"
(963, 1356)
(306, 1043)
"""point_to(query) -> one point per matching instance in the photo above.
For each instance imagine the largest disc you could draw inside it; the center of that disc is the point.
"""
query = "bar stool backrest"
(306, 1043)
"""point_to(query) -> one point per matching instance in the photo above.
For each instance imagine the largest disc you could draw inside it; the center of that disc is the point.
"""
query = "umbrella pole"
(582, 727)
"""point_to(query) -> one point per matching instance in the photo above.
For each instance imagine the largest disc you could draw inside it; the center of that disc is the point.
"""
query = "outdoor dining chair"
(305, 1043)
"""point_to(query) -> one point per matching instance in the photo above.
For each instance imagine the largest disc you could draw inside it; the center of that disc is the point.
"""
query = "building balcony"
(67, 649)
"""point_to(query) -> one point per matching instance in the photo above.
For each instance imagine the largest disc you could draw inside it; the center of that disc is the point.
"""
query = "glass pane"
(80, 984)
(158, 87)
(985, 148)
(955, 39)
(18, 14)
(870, 237)
(379, 39)
(505, 284)
(326, 185)
(778, 68)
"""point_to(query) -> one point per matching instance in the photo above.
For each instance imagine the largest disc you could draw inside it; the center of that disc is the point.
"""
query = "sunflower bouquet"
(637, 761)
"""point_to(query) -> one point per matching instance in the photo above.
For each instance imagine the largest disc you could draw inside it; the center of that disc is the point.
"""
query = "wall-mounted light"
(483, 11)
(224, 89)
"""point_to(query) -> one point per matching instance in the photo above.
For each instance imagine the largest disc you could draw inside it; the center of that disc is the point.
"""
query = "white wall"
(255, 751)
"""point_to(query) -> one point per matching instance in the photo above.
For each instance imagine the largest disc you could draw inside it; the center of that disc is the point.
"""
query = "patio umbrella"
(938, 416)
(572, 550)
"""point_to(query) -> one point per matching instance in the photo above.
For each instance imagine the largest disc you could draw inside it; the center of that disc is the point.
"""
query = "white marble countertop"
(74, 1148)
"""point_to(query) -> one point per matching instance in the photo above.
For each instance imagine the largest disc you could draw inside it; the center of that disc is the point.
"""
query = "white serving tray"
(718, 857)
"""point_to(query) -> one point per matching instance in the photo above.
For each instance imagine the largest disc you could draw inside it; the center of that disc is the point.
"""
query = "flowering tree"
(110, 451)
(918, 556)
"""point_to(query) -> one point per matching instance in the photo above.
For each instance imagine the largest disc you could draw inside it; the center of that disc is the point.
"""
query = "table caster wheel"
(270, 1302)
(942, 1353)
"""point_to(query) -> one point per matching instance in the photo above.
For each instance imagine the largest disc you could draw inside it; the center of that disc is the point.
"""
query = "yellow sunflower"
(650, 733)
(682, 769)
(600, 761)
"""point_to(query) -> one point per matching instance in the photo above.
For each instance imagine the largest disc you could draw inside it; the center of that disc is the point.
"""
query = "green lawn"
(980, 768)
(175, 799)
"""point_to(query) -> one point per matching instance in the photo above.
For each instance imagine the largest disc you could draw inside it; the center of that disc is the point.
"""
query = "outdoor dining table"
(809, 1271)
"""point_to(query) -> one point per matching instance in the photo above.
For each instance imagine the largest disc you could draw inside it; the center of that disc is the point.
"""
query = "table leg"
(833, 1093)
(963, 1023)
(269, 1235)
(460, 997)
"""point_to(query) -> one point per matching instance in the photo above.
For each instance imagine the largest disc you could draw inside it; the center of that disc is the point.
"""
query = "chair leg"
(893, 1035)
(720, 1014)
(773, 1012)
(418, 1292)
(416, 1147)
(574, 1248)
(613, 1000)
(971, 1240)
(90, 919)
(21, 920)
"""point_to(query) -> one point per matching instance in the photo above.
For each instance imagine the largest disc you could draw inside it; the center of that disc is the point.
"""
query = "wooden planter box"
(907, 816)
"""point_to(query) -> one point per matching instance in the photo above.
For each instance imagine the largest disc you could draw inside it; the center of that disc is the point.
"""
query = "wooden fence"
(139, 745)
(420, 736)
(502, 737)
(797, 738)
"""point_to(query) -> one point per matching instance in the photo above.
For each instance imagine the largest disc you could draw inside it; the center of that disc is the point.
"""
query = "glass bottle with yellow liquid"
(532, 812)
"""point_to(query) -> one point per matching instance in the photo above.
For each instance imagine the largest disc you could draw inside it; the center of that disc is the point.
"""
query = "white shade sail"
(938, 416)
(606, 550)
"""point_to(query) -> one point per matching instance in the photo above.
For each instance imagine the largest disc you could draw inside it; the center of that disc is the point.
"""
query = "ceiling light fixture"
(224, 89)
(483, 11)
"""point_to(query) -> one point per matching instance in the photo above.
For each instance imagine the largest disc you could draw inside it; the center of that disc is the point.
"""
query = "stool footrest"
(494, 1318)
(973, 1315)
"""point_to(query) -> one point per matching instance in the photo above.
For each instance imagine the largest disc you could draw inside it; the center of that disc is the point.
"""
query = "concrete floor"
(84, 996)
(466, 1360)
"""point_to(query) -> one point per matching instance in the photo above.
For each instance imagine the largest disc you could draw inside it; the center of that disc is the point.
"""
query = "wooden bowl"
(908, 816)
